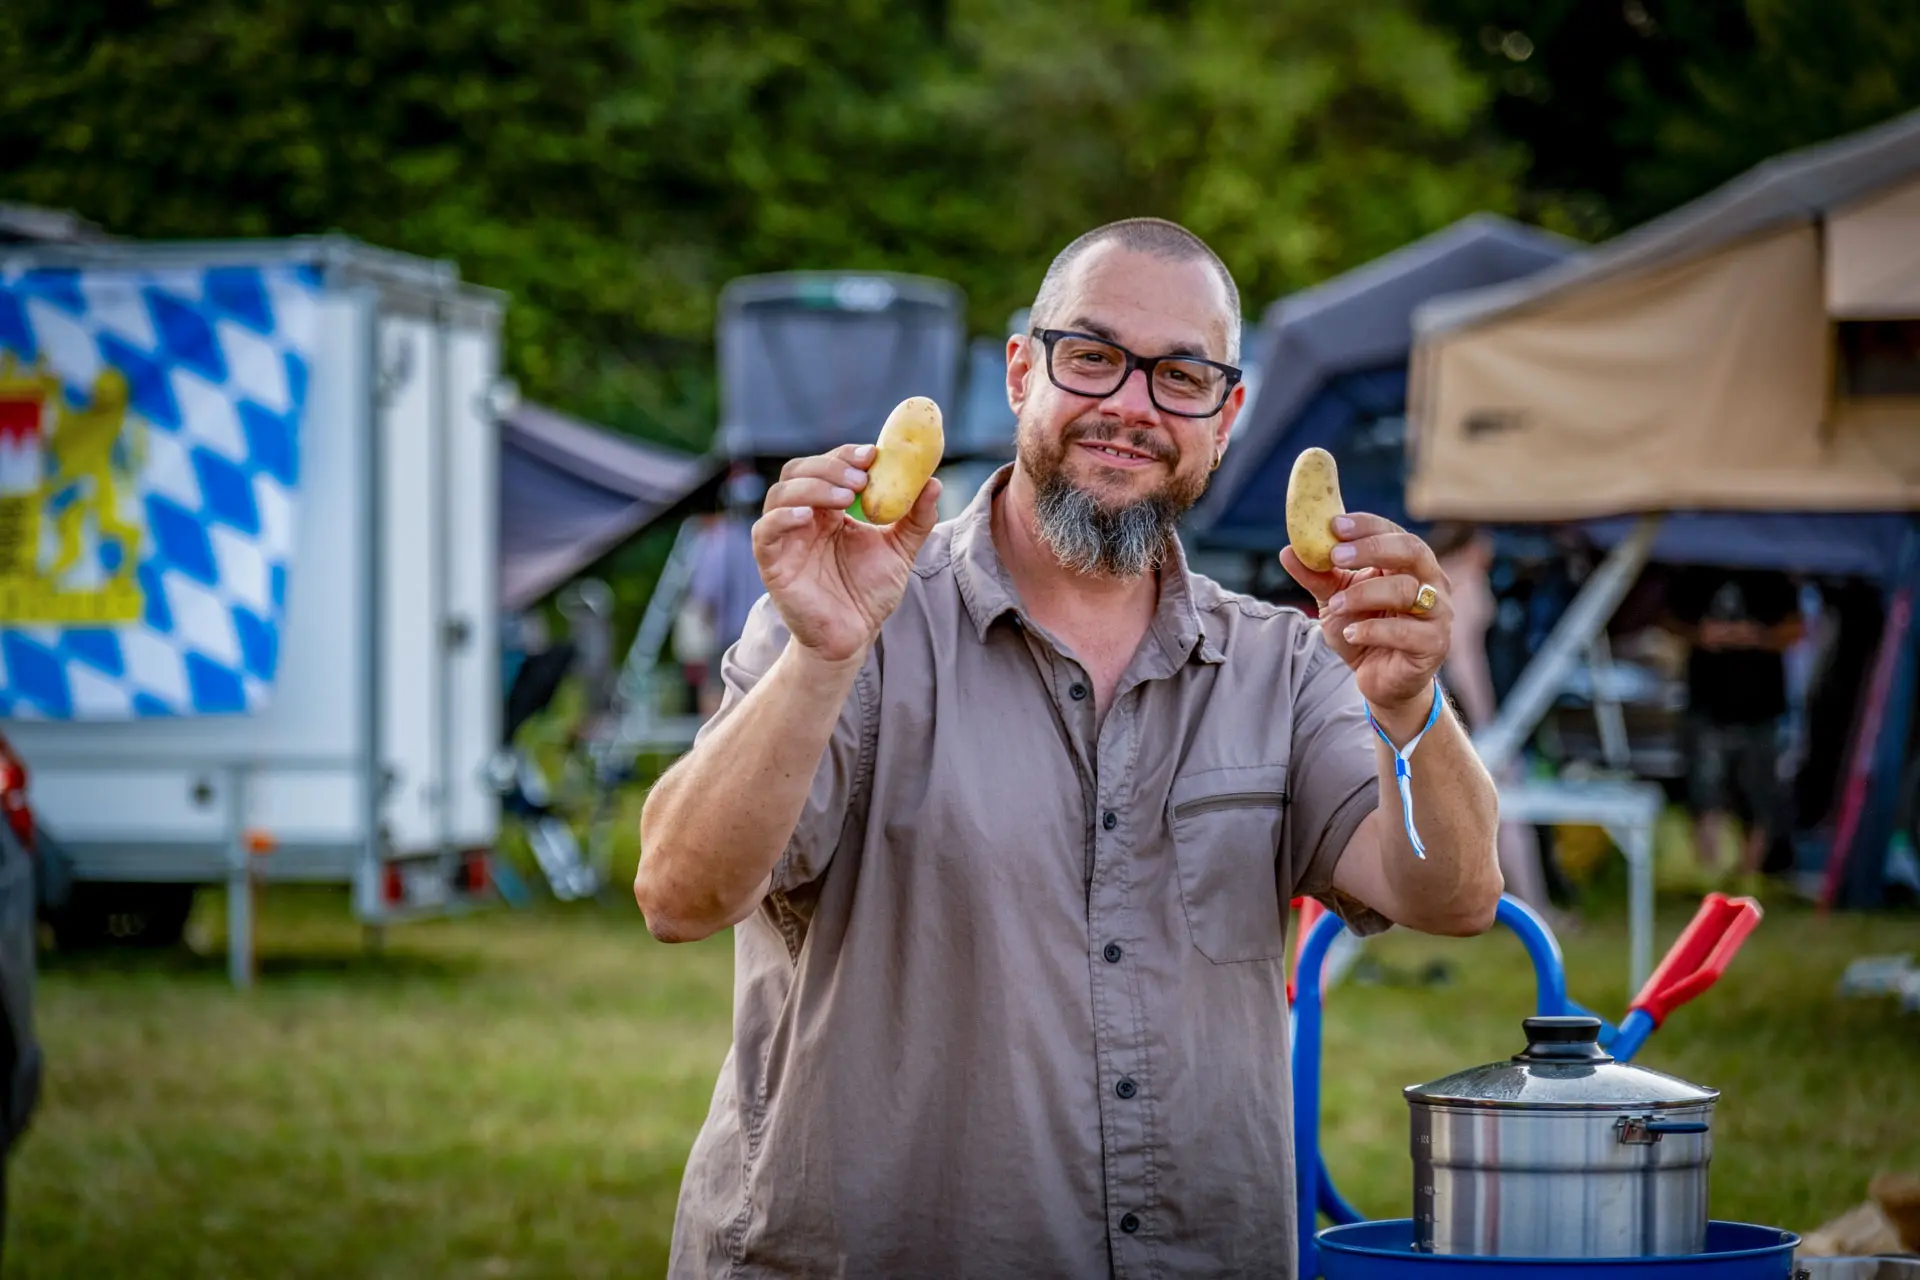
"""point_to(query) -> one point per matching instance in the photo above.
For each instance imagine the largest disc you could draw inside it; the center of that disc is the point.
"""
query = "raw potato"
(1313, 500)
(906, 454)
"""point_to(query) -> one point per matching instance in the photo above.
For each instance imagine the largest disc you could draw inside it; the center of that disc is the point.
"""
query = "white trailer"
(368, 765)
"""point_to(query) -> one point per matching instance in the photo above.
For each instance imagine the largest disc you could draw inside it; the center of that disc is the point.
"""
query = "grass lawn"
(513, 1095)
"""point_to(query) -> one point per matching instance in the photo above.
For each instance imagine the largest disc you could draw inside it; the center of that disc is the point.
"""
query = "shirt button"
(1078, 691)
(1111, 952)
(1130, 1223)
(1110, 820)
(1126, 1089)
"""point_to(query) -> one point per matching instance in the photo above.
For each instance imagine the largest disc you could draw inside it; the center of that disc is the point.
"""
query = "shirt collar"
(988, 591)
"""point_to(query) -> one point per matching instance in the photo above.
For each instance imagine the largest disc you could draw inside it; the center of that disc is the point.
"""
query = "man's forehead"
(1148, 302)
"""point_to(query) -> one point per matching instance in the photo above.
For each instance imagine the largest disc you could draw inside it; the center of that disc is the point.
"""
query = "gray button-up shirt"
(1017, 1003)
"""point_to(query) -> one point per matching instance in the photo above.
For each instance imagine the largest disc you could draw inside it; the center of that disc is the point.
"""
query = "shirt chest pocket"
(1227, 825)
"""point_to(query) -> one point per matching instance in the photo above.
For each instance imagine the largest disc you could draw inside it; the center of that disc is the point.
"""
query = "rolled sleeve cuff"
(1361, 920)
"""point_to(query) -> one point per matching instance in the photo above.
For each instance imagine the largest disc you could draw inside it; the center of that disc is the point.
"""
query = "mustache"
(1107, 431)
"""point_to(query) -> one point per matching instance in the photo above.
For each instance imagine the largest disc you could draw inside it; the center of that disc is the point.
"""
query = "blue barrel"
(1384, 1251)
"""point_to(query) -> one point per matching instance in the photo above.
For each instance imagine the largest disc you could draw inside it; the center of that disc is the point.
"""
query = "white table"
(1629, 812)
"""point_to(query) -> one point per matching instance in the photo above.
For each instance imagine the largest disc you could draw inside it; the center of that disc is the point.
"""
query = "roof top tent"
(1334, 364)
(1748, 352)
(1756, 351)
(812, 360)
(251, 633)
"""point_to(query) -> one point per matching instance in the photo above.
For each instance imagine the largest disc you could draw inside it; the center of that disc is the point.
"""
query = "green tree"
(611, 164)
(1628, 108)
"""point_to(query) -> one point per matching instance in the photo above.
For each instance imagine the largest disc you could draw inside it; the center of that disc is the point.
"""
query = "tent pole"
(1607, 711)
(1546, 675)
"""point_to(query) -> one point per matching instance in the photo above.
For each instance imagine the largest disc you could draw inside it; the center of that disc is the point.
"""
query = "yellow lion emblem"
(77, 464)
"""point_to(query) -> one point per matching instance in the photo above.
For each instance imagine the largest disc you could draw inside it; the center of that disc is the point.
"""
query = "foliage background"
(612, 163)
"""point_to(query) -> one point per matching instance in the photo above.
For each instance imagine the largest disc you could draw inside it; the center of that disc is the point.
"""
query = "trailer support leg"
(240, 921)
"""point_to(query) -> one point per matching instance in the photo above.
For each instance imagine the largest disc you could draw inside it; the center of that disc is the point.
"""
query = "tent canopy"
(570, 492)
(1332, 363)
(1714, 359)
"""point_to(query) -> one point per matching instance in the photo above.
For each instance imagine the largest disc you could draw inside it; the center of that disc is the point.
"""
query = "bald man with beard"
(1006, 814)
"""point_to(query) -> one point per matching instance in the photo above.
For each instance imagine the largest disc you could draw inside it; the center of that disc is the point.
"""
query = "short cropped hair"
(1155, 236)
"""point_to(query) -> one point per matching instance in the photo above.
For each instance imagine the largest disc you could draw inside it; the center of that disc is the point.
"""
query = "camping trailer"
(266, 648)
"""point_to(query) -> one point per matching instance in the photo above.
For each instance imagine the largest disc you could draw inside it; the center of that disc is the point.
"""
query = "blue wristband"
(1403, 772)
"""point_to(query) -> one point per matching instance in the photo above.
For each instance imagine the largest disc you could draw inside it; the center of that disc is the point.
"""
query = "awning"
(1695, 363)
(570, 493)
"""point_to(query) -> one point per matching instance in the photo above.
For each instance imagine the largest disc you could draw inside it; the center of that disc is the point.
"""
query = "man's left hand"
(1367, 602)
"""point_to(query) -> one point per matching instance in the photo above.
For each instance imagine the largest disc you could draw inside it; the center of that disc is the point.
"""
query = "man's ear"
(1229, 413)
(1019, 365)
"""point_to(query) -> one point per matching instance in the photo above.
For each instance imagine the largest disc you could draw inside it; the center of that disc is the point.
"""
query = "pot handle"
(1639, 1132)
(1699, 956)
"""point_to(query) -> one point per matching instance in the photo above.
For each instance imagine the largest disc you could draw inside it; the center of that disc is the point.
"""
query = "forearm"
(716, 823)
(1456, 886)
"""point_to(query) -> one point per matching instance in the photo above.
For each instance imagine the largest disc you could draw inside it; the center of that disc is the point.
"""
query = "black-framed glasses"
(1185, 386)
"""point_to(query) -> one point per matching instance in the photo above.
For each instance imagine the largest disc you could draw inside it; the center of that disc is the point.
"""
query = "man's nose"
(1132, 399)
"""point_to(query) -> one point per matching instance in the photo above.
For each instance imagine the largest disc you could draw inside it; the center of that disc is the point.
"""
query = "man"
(1007, 814)
(724, 583)
(1739, 626)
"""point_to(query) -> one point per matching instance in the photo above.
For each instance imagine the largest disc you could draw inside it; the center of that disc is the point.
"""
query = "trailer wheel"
(101, 915)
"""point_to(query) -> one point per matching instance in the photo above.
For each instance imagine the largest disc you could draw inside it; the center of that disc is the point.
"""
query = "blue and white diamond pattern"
(217, 361)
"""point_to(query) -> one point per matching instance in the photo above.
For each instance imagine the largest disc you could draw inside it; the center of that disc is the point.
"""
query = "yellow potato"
(906, 454)
(1313, 500)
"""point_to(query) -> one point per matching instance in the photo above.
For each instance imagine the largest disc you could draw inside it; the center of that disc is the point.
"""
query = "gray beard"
(1091, 539)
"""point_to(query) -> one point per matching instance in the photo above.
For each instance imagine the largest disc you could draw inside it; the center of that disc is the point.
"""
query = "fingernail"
(854, 477)
(864, 452)
(1345, 553)
(1352, 634)
(1339, 598)
(1343, 524)
(800, 514)
(841, 495)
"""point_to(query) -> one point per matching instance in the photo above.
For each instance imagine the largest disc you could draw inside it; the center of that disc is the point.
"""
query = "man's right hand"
(835, 579)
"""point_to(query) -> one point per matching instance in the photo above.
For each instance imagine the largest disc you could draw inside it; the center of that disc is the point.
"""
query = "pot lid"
(1562, 1068)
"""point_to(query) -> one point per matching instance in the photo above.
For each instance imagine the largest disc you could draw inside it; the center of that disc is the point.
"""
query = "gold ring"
(1423, 601)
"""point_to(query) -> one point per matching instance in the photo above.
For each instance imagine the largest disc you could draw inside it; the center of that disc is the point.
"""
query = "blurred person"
(1006, 814)
(1738, 625)
(724, 583)
(1465, 554)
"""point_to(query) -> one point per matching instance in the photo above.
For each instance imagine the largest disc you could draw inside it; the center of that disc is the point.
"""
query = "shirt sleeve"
(840, 782)
(1334, 779)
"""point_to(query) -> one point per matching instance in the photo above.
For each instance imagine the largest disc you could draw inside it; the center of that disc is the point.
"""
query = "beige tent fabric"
(1698, 384)
(1873, 257)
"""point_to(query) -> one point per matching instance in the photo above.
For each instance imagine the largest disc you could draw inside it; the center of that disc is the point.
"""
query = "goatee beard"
(1089, 538)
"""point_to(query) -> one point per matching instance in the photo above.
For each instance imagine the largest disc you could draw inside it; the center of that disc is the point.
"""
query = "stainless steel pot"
(1561, 1152)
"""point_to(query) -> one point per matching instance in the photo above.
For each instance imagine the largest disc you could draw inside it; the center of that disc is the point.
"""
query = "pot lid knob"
(1563, 1038)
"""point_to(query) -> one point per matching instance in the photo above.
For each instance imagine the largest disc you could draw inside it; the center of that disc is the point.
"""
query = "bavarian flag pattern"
(149, 466)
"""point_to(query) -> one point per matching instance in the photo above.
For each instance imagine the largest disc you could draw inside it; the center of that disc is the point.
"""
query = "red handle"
(1699, 956)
